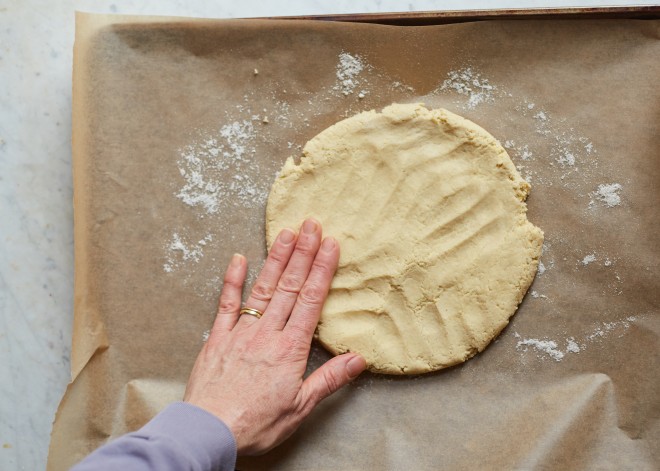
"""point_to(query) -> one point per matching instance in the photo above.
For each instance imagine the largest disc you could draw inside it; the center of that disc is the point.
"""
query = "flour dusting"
(558, 155)
(348, 70)
(470, 83)
(566, 158)
(547, 347)
(541, 269)
(521, 151)
(536, 294)
(541, 116)
(608, 194)
(572, 346)
(180, 250)
(607, 328)
(589, 259)
(219, 168)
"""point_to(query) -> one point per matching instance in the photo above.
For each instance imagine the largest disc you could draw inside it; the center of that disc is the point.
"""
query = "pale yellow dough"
(436, 248)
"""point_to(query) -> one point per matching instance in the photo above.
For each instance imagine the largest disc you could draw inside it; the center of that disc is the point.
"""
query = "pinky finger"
(230, 297)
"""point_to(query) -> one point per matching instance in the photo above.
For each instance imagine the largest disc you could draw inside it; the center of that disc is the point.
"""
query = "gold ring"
(252, 312)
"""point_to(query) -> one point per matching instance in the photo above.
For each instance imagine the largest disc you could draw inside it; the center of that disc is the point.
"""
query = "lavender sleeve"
(181, 437)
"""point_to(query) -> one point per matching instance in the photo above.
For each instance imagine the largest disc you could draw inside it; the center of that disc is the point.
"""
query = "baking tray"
(421, 18)
(595, 409)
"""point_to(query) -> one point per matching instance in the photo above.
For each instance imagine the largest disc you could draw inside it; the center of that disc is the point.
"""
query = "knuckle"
(228, 306)
(232, 279)
(310, 402)
(311, 294)
(282, 355)
(306, 248)
(298, 336)
(331, 382)
(262, 291)
(294, 347)
(258, 343)
(322, 267)
(278, 255)
(283, 350)
(290, 283)
(242, 350)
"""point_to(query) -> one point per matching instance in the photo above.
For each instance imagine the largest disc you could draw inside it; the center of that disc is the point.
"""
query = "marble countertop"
(36, 216)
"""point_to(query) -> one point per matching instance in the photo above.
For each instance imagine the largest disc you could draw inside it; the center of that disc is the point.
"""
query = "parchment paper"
(575, 102)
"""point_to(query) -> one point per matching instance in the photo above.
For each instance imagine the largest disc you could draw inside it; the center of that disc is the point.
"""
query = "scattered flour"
(589, 147)
(207, 333)
(179, 250)
(548, 347)
(566, 158)
(237, 136)
(348, 70)
(541, 269)
(220, 168)
(519, 151)
(559, 154)
(606, 328)
(471, 84)
(525, 153)
(396, 85)
(567, 149)
(609, 194)
(572, 346)
(589, 259)
(541, 116)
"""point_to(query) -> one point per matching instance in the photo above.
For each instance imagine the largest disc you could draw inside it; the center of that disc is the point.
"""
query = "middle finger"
(294, 276)
(276, 262)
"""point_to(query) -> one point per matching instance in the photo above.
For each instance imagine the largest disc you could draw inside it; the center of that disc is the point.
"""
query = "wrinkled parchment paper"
(163, 108)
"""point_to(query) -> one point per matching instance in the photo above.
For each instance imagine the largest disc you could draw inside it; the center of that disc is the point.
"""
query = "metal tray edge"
(422, 18)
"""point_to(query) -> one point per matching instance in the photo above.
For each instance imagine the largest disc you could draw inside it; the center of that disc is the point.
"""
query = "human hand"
(250, 371)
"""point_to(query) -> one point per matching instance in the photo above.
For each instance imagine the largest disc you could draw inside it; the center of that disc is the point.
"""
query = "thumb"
(331, 376)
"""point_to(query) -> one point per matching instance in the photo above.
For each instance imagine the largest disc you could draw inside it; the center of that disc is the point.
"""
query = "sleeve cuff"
(205, 436)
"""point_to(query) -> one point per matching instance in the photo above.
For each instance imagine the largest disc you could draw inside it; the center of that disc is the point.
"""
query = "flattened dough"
(436, 248)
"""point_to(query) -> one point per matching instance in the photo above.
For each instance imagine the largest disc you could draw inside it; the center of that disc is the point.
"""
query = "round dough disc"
(430, 215)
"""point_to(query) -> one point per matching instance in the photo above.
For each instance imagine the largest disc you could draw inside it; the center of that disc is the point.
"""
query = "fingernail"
(310, 226)
(287, 236)
(355, 366)
(236, 260)
(328, 244)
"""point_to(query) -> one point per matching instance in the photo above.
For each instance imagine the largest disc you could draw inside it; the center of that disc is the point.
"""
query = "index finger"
(307, 309)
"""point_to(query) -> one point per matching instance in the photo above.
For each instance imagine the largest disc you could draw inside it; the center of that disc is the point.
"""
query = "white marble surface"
(36, 224)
